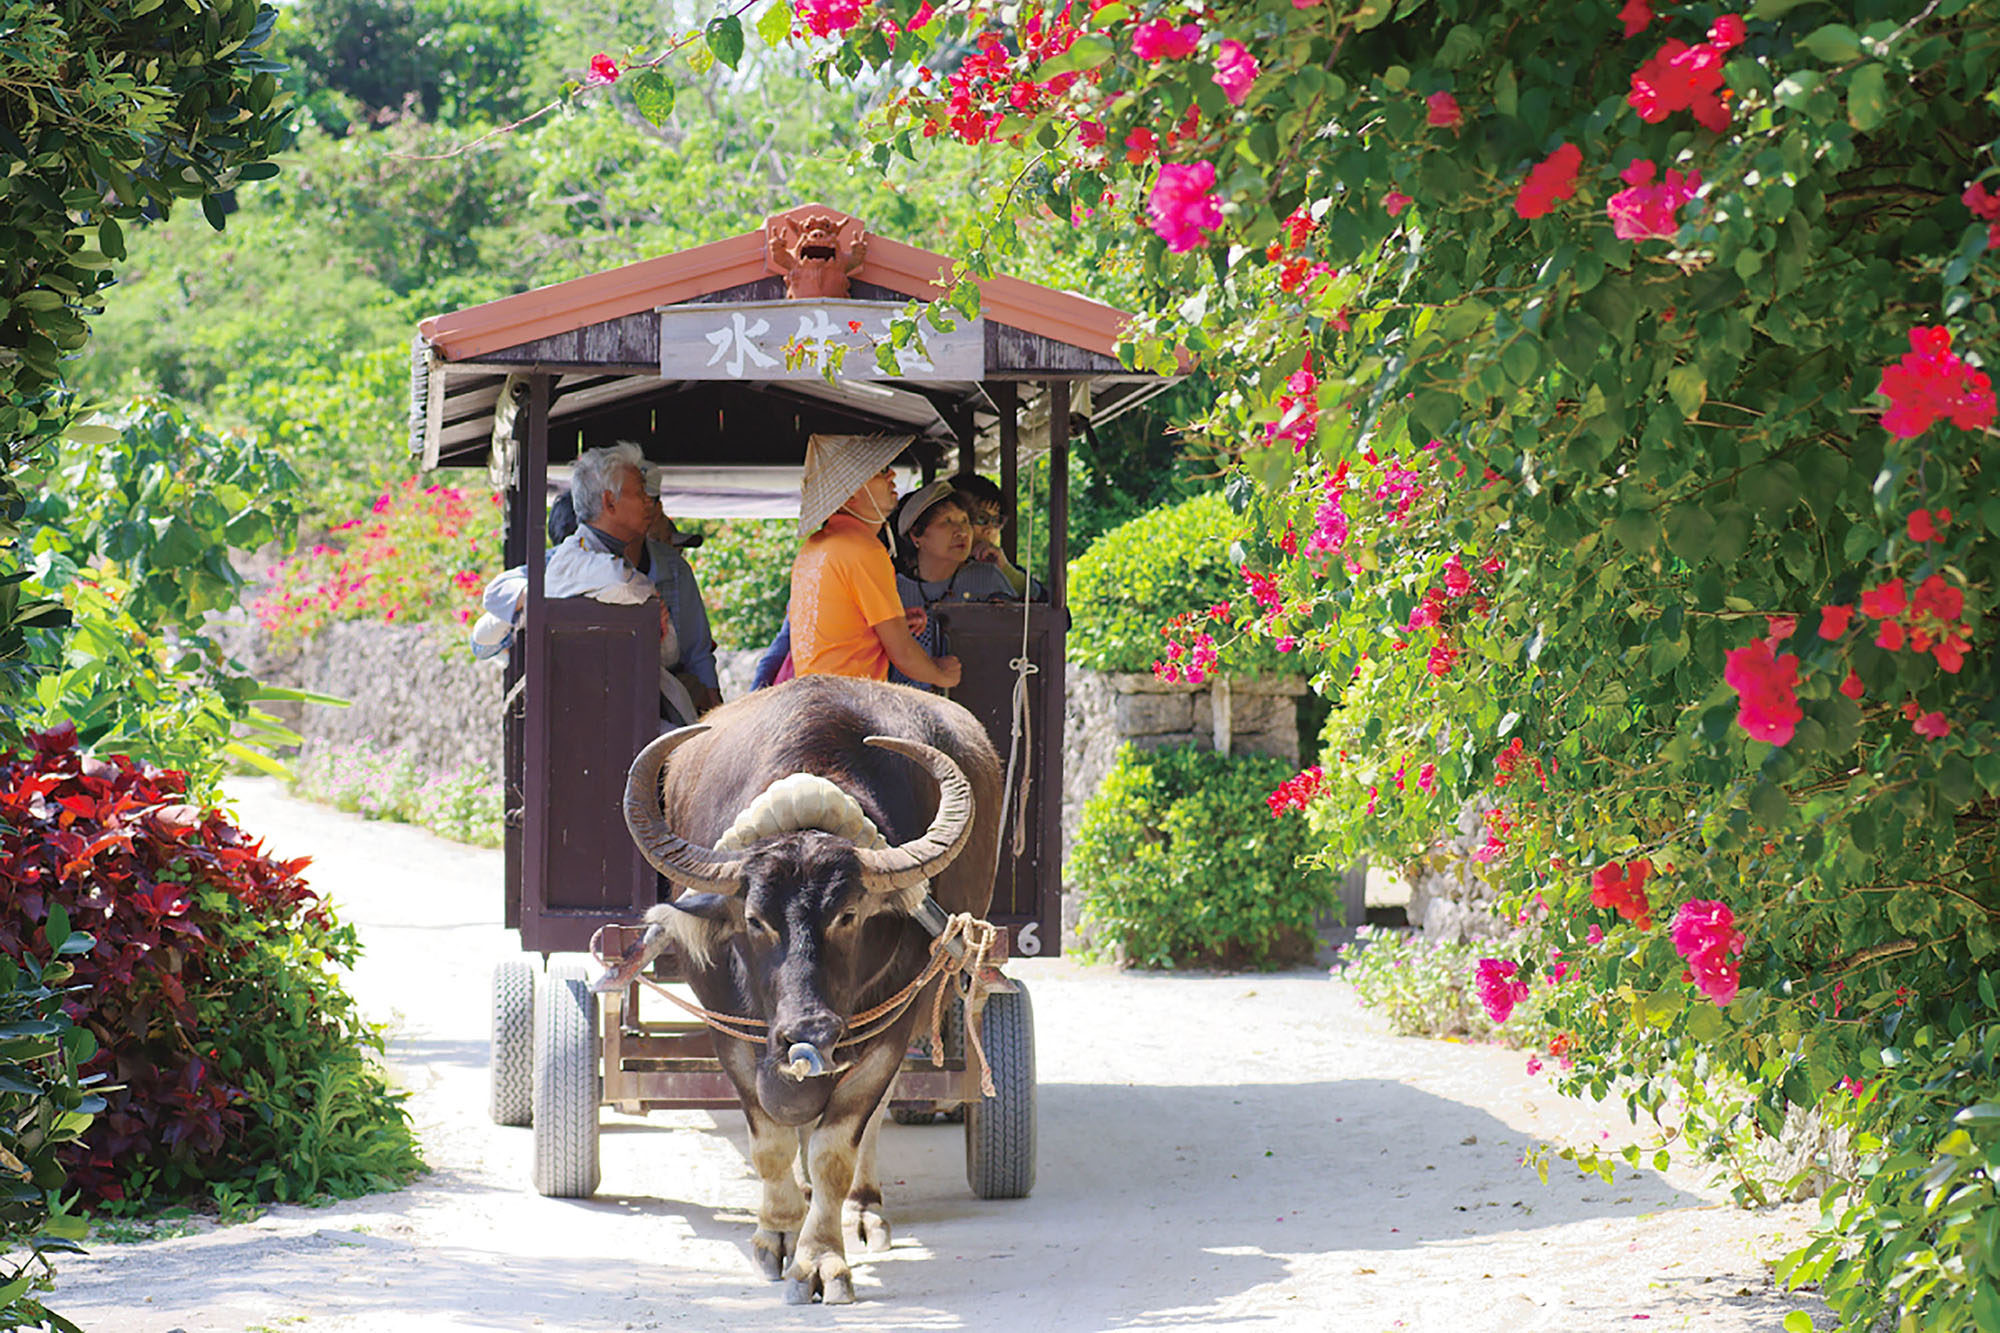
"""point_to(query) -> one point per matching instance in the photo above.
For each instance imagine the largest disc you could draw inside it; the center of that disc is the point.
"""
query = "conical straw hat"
(836, 467)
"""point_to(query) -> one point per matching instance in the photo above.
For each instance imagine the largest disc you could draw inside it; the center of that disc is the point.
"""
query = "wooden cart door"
(592, 704)
(985, 637)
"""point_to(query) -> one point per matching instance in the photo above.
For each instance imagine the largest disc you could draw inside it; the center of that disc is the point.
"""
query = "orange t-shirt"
(842, 587)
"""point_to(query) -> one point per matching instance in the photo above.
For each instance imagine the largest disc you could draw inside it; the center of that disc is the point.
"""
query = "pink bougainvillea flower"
(1781, 628)
(1932, 725)
(1427, 778)
(1157, 39)
(603, 70)
(1851, 687)
(1549, 180)
(1985, 207)
(1766, 686)
(1441, 111)
(1937, 599)
(1183, 208)
(1891, 637)
(1637, 14)
(1931, 383)
(1235, 70)
(1595, 935)
(1727, 32)
(1680, 77)
(1499, 989)
(1441, 657)
(1648, 212)
(1298, 791)
(1833, 621)
(1884, 601)
(827, 17)
(1704, 933)
(1141, 144)
(1395, 201)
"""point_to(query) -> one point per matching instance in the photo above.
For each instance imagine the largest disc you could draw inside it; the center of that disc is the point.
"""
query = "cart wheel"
(565, 1084)
(1000, 1130)
(511, 1063)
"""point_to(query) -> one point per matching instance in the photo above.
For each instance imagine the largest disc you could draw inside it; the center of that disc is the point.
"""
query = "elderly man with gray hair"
(625, 550)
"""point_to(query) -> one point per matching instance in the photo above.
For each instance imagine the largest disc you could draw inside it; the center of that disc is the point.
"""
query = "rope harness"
(978, 941)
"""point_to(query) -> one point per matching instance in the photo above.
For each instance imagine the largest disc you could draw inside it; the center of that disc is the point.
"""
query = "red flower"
(1884, 601)
(1935, 597)
(1922, 529)
(1648, 212)
(1727, 32)
(1833, 621)
(603, 70)
(1930, 382)
(1851, 687)
(1499, 989)
(1441, 112)
(1891, 637)
(1932, 725)
(1297, 791)
(1680, 77)
(1766, 686)
(1141, 144)
(1549, 180)
(1395, 201)
(1636, 14)
(1623, 890)
(1985, 207)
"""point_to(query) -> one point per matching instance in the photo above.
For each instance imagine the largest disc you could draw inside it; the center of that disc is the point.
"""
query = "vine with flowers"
(1610, 382)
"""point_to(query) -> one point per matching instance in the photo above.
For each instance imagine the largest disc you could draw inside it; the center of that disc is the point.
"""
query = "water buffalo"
(805, 822)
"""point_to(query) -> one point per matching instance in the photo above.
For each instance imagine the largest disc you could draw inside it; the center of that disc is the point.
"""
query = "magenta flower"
(1235, 70)
(1441, 112)
(1183, 208)
(1932, 383)
(1649, 212)
(1156, 40)
(1704, 933)
(603, 70)
(1395, 201)
(1767, 686)
(1499, 989)
(827, 17)
(1427, 778)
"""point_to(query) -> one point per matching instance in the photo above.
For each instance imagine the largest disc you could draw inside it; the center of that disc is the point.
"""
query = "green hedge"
(1143, 573)
(744, 567)
(1181, 861)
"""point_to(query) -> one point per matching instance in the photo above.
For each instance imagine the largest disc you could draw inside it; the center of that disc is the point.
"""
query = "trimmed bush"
(212, 999)
(466, 807)
(1181, 862)
(1143, 573)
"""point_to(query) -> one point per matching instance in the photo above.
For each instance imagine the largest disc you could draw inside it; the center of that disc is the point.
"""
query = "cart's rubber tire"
(511, 1061)
(566, 1084)
(1000, 1130)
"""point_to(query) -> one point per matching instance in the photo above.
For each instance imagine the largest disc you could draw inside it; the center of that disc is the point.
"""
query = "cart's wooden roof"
(689, 275)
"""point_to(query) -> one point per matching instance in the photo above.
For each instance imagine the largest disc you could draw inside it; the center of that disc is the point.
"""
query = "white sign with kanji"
(781, 340)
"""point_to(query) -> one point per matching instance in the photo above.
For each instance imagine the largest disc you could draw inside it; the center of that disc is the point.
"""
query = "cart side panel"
(593, 703)
(986, 637)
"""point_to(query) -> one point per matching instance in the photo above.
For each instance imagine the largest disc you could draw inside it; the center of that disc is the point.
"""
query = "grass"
(466, 807)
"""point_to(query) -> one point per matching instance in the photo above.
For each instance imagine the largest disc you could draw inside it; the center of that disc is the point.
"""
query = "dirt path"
(1229, 1152)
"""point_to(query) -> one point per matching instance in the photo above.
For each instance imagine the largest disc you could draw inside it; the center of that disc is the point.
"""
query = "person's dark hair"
(562, 519)
(980, 490)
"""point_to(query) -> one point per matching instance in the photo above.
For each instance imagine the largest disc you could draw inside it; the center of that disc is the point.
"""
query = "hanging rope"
(980, 940)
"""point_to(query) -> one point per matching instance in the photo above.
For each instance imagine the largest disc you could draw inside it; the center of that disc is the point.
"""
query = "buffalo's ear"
(707, 906)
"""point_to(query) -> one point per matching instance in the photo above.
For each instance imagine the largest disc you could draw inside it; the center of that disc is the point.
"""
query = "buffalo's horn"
(684, 862)
(888, 869)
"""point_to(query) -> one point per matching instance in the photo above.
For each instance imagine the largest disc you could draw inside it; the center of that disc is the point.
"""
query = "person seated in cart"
(985, 506)
(625, 550)
(846, 616)
(934, 564)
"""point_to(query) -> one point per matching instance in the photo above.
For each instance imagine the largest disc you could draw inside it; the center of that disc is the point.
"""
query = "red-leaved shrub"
(211, 990)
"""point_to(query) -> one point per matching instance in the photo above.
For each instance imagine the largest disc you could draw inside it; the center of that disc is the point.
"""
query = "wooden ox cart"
(688, 355)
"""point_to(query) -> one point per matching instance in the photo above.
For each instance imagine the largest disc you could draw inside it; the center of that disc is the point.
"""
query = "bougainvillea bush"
(1611, 377)
(422, 554)
(238, 1066)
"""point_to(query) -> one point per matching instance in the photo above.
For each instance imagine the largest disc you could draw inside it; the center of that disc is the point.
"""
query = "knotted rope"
(979, 940)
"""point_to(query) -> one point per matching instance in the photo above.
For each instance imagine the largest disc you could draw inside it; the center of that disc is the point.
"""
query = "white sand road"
(1216, 1151)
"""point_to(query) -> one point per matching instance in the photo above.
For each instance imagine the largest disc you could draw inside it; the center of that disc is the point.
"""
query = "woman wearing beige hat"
(847, 618)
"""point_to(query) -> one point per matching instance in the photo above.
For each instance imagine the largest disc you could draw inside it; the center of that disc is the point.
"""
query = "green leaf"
(652, 93)
(56, 929)
(1868, 97)
(724, 36)
(1798, 1321)
(91, 433)
(1086, 52)
(1836, 43)
(1688, 387)
(776, 24)
(211, 208)
(1983, 1113)
(1690, 531)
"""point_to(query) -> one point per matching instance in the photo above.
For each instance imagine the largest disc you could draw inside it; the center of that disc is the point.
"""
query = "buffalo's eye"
(757, 924)
(847, 919)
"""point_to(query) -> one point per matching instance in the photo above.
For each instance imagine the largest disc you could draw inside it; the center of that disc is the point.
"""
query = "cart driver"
(846, 615)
